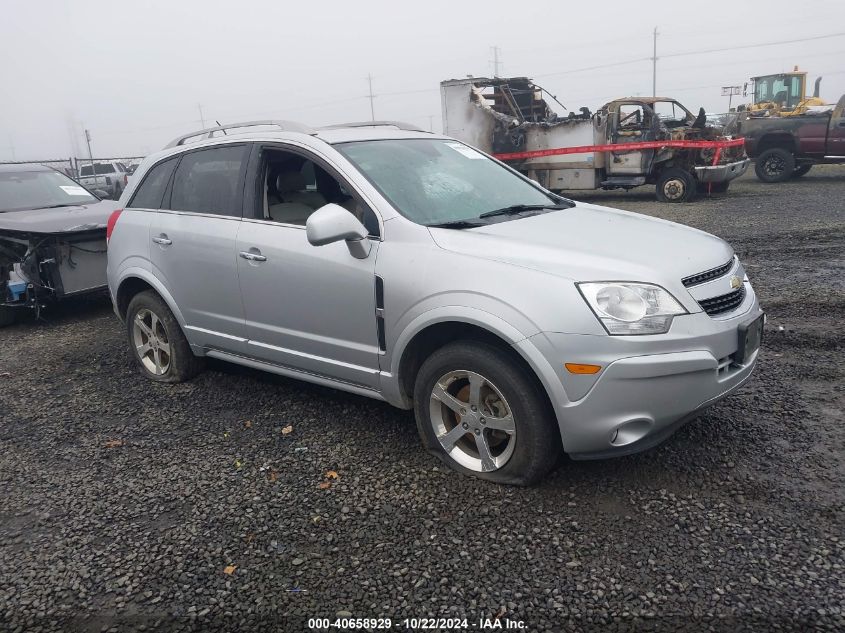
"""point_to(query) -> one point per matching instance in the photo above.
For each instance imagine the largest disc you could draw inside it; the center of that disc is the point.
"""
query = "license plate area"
(750, 336)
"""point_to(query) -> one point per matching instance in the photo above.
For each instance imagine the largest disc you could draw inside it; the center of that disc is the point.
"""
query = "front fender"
(518, 340)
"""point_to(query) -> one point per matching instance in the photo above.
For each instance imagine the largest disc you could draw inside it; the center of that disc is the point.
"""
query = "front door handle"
(252, 257)
(162, 240)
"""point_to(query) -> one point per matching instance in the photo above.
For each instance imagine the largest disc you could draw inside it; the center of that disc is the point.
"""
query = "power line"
(745, 46)
(685, 53)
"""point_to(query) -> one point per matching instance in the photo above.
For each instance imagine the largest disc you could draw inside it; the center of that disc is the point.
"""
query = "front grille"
(707, 275)
(723, 303)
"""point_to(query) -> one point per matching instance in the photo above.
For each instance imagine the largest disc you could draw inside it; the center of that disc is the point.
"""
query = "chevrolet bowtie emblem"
(736, 282)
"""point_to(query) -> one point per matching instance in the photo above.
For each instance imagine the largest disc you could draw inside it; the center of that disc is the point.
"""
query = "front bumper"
(722, 173)
(649, 385)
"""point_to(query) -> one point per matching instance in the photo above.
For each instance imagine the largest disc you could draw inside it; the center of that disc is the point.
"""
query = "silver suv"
(408, 267)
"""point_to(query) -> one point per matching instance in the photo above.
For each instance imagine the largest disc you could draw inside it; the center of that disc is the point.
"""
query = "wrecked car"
(629, 142)
(52, 239)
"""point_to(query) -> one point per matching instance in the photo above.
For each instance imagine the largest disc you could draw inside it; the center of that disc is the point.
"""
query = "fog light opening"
(631, 431)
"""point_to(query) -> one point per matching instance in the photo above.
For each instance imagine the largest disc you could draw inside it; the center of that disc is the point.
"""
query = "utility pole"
(431, 123)
(90, 155)
(654, 67)
(496, 62)
(202, 118)
(371, 96)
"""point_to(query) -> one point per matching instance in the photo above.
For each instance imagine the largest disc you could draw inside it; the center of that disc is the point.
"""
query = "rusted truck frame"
(624, 145)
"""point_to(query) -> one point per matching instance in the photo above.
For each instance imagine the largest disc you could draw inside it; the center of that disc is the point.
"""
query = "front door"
(310, 308)
(631, 123)
(836, 135)
(193, 249)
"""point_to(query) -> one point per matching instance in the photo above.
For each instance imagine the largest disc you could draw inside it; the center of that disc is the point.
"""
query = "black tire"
(676, 185)
(775, 165)
(536, 442)
(181, 363)
(7, 316)
(801, 170)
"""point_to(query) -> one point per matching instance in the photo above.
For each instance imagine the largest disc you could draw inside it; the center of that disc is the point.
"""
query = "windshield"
(40, 189)
(784, 90)
(434, 181)
(98, 169)
(671, 111)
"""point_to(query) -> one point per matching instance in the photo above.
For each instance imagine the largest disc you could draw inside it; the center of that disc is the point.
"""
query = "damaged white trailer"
(629, 142)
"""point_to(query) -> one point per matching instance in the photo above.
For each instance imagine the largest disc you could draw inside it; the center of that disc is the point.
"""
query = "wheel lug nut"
(483, 421)
(465, 425)
(478, 431)
(463, 411)
(474, 408)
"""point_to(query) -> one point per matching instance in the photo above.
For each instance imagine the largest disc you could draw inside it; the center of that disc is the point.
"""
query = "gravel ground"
(134, 505)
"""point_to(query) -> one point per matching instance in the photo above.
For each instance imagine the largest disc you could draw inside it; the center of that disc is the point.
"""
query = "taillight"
(112, 221)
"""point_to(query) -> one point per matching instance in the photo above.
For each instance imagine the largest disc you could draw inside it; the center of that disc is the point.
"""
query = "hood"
(592, 243)
(76, 219)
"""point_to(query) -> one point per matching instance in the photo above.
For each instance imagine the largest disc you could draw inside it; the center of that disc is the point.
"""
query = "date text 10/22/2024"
(415, 624)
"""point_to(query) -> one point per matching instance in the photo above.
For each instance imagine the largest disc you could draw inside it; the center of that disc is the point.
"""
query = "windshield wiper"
(59, 206)
(456, 224)
(522, 208)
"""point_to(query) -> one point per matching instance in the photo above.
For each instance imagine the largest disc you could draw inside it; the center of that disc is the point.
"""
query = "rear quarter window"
(151, 190)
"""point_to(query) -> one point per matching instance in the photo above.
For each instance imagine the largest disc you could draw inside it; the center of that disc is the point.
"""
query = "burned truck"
(629, 142)
(52, 239)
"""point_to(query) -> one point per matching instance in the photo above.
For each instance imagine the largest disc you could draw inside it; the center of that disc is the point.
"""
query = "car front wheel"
(676, 185)
(484, 415)
(157, 342)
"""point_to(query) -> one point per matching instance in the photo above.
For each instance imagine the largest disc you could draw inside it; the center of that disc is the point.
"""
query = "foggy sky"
(136, 72)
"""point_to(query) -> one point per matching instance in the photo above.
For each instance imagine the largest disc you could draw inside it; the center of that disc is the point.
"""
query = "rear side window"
(151, 191)
(209, 181)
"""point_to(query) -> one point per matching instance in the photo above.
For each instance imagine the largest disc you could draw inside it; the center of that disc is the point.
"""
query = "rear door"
(836, 135)
(193, 241)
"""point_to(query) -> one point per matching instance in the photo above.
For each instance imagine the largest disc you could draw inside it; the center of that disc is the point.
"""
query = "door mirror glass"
(332, 223)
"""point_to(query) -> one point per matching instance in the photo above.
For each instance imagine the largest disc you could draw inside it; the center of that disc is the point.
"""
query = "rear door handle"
(253, 257)
(162, 240)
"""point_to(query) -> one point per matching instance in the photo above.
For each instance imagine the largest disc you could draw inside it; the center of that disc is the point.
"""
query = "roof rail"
(286, 126)
(397, 124)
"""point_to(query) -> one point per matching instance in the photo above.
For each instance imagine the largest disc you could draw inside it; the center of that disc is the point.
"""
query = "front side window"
(294, 187)
(40, 189)
(151, 190)
(207, 181)
(432, 181)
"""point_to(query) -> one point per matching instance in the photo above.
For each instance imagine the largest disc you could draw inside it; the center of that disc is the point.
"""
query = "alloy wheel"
(151, 342)
(472, 420)
(774, 166)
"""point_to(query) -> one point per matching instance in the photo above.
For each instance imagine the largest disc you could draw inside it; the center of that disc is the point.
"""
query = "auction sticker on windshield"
(466, 151)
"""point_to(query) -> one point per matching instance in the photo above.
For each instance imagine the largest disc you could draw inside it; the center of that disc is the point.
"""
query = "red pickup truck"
(786, 147)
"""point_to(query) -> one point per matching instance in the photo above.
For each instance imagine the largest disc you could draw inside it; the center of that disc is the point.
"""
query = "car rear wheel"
(801, 170)
(157, 342)
(775, 165)
(483, 415)
(676, 185)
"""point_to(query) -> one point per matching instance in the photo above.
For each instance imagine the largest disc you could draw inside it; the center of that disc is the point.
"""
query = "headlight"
(624, 307)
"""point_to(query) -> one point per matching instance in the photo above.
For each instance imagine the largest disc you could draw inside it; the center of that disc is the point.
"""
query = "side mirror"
(332, 223)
